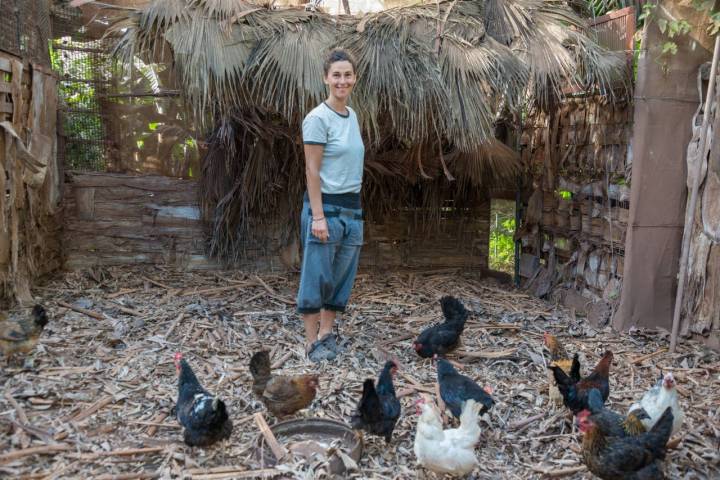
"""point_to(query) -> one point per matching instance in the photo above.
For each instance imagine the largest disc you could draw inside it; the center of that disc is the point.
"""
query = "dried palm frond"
(432, 81)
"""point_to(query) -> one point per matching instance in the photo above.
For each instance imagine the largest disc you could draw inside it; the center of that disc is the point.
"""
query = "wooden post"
(690, 212)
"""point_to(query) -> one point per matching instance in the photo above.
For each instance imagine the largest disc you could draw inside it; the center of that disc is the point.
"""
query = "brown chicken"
(624, 458)
(282, 395)
(575, 393)
(20, 333)
(559, 358)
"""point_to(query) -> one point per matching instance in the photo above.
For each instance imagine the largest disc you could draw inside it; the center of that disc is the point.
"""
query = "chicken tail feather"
(453, 309)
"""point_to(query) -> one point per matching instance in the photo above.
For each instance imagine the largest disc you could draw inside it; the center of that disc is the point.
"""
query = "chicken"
(379, 408)
(444, 337)
(282, 395)
(574, 392)
(625, 458)
(657, 399)
(20, 333)
(559, 358)
(260, 371)
(449, 451)
(204, 417)
(455, 389)
(613, 424)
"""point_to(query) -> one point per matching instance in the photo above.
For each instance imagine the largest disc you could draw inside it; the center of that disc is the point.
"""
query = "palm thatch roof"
(433, 80)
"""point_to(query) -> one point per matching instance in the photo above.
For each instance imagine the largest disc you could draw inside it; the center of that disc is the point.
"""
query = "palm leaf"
(432, 81)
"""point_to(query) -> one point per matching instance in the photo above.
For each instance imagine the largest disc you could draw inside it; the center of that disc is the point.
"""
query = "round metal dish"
(318, 429)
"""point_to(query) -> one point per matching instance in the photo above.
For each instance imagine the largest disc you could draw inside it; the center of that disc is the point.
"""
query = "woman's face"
(341, 79)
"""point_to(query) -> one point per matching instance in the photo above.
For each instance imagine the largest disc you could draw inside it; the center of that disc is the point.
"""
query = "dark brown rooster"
(613, 424)
(20, 333)
(282, 395)
(625, 458)
(204, 417)
(379, 408)
(575, 393)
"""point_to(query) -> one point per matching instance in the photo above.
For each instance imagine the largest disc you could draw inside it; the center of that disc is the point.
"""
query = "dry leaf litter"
(94, 400)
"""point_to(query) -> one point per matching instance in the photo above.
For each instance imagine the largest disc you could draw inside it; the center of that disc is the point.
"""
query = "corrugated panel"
(615, 31)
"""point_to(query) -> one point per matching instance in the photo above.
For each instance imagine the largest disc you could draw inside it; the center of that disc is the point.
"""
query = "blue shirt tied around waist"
(329, 268)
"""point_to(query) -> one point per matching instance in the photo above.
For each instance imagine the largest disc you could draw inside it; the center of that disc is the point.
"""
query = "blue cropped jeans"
(328, 269)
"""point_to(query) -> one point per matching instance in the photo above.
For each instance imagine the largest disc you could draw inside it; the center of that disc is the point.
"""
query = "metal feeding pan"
(301, 436)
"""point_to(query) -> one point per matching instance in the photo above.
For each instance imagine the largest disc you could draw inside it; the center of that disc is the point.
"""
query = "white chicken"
(657, 399)
(450, 451)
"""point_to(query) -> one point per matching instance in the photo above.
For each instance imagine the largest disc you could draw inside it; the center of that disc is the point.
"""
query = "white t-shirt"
(341, 170)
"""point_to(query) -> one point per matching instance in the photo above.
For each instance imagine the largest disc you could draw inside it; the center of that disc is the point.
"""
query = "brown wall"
(30, 219)
(665, 101)
(577, 243)
(121, 219)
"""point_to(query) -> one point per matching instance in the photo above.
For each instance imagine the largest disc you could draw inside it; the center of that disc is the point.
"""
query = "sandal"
(320, 351)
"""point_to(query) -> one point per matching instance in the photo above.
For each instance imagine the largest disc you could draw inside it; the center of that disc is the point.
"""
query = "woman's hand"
(320, 229)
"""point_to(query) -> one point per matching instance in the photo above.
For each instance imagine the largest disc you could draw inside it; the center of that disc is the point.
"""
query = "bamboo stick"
(43, 449)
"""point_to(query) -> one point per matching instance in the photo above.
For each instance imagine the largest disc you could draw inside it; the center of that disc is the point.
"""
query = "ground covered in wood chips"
(94, 399)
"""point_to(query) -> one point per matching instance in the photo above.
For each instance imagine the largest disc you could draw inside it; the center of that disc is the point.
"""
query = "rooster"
(664, 394)
(624, 458)
(282, 395)
(455, 389)
(449, 451)
(574, 392)
(444, 337)
(559, 358)
(614, 424)
(379, 408)
(204, 417)
(20, 333)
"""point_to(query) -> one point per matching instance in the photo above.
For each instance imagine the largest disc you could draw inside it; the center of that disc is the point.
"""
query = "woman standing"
(331, 220)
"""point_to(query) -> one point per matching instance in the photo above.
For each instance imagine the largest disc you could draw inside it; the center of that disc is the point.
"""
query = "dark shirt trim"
(336, 112)
(307, 142)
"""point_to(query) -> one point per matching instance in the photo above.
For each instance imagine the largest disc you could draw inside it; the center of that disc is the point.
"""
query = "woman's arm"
(313, 160)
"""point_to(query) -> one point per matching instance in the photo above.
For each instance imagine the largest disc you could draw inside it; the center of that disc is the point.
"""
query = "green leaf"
(152, 126)
(647, 11)
(669, 47)
(662, 25)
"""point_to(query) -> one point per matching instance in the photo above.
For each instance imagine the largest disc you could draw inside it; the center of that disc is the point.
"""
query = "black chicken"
(455, 389)
(444, 337)
(203, 416)
(379, 408)
(574, 392)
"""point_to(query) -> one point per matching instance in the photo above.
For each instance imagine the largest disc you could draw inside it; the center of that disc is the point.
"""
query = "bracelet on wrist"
(318, 219)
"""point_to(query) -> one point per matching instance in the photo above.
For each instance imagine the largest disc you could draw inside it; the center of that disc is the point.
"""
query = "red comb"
(178, 356)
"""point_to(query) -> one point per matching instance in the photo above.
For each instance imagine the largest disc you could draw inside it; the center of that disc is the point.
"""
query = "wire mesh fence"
(85, 74)
(25, 29)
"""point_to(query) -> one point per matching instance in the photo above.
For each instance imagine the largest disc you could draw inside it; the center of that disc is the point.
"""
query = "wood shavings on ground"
(94, 400)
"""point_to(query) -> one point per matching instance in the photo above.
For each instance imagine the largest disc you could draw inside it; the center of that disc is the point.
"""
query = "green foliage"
(669, 47)
(675, 28)
(647, 11)
(82, 121)
(601, 7)
(564, 194)
(502, 231)
(714, 26)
